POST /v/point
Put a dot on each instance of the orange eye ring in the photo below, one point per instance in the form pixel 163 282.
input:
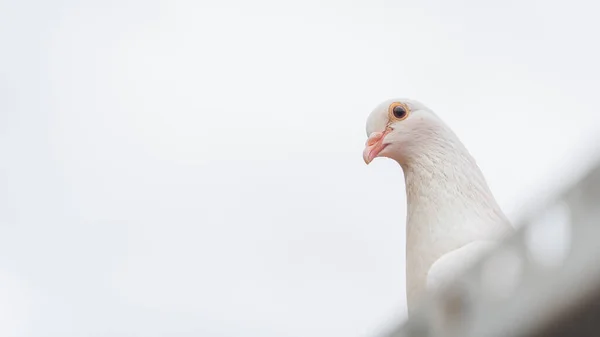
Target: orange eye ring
pixel 398 111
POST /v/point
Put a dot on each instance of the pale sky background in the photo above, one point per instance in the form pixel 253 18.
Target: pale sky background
pixel 194 168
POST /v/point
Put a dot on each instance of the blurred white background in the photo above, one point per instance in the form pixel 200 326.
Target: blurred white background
pixel 194 168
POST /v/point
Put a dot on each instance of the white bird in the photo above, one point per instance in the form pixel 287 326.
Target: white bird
pixel 452 216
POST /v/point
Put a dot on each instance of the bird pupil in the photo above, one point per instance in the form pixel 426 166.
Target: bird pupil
pixel 399 112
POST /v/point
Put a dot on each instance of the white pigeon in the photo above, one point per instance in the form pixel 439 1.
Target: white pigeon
pixel 452 216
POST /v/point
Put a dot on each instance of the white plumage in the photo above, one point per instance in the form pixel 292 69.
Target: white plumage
pixel 452 217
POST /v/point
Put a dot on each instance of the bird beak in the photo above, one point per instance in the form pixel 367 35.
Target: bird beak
pixel 374 145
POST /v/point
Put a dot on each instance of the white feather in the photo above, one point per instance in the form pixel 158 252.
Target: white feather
pixel 454 263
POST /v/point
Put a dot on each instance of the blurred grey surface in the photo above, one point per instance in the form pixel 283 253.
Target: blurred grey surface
pixel 554 292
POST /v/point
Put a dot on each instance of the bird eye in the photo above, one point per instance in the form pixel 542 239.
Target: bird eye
pixel 398 111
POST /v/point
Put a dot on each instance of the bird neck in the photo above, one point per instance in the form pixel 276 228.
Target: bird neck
pixel 449 203
pixel 445 189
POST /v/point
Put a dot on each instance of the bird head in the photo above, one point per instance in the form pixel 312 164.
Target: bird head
pixel 400 128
